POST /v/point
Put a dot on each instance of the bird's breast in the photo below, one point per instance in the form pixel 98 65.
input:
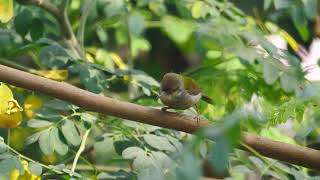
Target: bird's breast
pixel 180 100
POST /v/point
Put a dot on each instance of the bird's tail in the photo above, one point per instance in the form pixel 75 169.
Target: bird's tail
pixel 207 99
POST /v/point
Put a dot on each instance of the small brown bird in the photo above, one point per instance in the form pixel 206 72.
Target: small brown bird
pixel 180 92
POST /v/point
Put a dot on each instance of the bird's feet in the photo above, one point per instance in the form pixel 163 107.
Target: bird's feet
pixel 197 118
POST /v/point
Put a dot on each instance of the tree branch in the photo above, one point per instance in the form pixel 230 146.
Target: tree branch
pixel 294 154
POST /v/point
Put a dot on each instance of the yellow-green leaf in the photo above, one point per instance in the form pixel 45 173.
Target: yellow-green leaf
pixel 6 10
pixel 197 9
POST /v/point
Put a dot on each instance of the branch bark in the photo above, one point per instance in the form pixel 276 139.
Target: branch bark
pixel 294 154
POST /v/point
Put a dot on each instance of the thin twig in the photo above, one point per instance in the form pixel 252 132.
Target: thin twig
pixel 31 160
pixel 81 149
pixel 85 13
pixel 14 65
pixel 84 167
pixel 8 136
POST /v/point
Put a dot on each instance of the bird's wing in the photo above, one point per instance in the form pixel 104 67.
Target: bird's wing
pixel 190 85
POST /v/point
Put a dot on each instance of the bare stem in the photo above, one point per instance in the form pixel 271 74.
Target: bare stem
pixel 81 149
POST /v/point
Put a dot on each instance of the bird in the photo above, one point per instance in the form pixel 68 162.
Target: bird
pixel 180 92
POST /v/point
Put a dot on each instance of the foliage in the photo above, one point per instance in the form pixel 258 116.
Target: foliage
pixel 121 49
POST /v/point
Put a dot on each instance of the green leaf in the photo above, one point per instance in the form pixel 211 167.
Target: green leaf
pixel 300 21
pixel 270 73
pixel 35 168
pixel 132 152
pixel 10 163
pixel 58 104
pixel 177 29
pixel 46 140
pixel 158 7
pixel 36 29
pixel 144 78
pixel 280 4
pixel 254 109
pixel 163 160
pixel 142 3
pixel 203 149
pixel 213 54
pixel 36 123
pixel 6 10
pixel 187 169
pixel 258 162
pixel 107 64
pixel 310 9
pixel 70 132
pixel 88 119
pixel 113 7
pixel 288 82
pixel 54 56
pixel 59 146
pixel 158 142
pixel 241 168
pixel 219 156
pixel 102 35
pixel 275 134
pixel 92 79
pixel 176 143
pixel 22 22
pixel 121 145
pixel 7 165
pixel 139 45
pixel 310 92
pixel 307 125
pixel 121 174
pixel 136 24
pixel 105 175
pixel 33 138
pixel 46 113
pixel 145 81
pixel 267 4
pixel 285 111
pixel 299 174
pixel 200 9
pixel 3 146
pixel 146 168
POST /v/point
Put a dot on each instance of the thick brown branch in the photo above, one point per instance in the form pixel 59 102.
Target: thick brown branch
pixel 303 156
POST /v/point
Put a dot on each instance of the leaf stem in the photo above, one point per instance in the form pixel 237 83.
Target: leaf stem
pixel 8 136
pixel 81 149
pixel 31 160
pixel 85 13
pixel 14 64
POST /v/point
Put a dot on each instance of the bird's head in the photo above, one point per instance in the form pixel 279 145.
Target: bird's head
pixel 170 83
